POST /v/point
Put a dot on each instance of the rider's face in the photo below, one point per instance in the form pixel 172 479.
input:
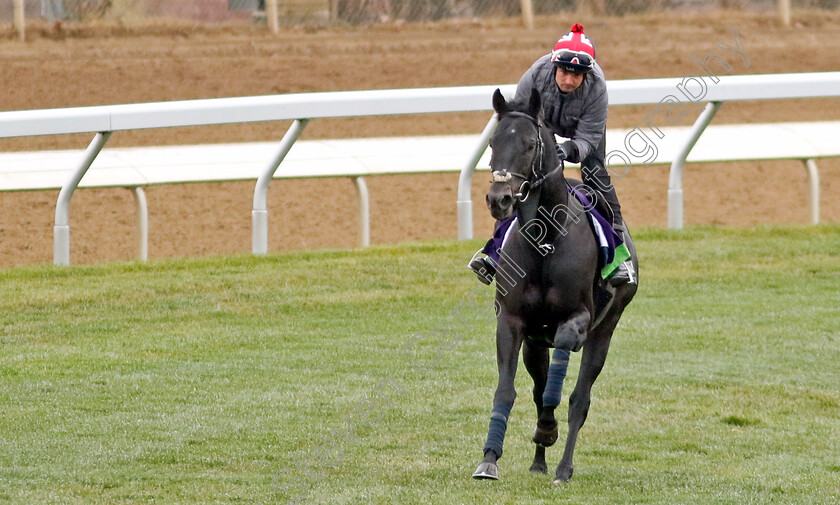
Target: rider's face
pixel 568 81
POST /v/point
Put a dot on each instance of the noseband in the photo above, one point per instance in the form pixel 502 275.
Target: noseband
pixel 535 179
pixel 505 176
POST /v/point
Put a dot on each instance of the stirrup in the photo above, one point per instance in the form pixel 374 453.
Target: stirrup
pixel 483 268
pixel 624 274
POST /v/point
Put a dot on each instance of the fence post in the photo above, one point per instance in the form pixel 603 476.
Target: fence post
pixel 142 223
pixel 20 23
pixel 464 203
pixel 813 190
pixel 61 231
pixel 528 13
pixel 364 211
pixel 784 11
pixel 333 7
pixel 272 13
pixel 259 214
pixel 675 176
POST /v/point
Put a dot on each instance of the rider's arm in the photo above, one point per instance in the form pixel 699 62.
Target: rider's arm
pixel 593 121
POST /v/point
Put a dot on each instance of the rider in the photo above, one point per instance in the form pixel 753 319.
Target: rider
pixel 574 100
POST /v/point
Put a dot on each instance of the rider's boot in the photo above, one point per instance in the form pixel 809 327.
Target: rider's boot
pixel 625 273
pixel 483 267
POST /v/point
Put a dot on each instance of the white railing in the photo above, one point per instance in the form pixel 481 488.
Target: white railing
pixel 105 120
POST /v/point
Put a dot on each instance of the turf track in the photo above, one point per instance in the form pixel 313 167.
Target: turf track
pixel 260 379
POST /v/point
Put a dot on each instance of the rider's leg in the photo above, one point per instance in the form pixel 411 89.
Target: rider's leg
pixel 485 266
pixel 626 272
pixel 596 176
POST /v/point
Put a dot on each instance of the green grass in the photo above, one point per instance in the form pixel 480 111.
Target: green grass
pixel 198 380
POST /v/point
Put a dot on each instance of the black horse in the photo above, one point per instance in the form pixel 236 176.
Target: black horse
pixel 548 284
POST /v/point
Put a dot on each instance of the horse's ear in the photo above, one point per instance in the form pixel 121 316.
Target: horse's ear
pixel 499 103
pixel 534 103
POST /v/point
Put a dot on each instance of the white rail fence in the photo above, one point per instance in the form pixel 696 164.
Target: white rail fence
pixel 666 95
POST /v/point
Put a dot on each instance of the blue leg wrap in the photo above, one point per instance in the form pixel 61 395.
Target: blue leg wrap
pixel 498 426
pixel 554 381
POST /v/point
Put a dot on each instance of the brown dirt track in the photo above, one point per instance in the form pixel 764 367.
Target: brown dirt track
pixel 110 64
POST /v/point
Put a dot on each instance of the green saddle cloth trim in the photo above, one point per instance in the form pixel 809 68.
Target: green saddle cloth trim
pixel 622 254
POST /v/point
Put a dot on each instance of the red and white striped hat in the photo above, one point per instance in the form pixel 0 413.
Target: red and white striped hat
pixel 574 51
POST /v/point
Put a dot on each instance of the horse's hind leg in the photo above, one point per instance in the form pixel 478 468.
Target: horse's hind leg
pixel 545 434
pixel 592 361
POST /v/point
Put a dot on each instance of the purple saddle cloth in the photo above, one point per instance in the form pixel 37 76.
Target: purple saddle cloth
pixel 607 242
pixel 612 240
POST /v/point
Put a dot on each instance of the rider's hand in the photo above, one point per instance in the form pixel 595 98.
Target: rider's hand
pixel 562 153
pixel 566 151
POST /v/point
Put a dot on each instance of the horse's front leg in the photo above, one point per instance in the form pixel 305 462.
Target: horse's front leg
pixel 572 333
pixel 508 342
pixel 546 433
pixel 592 362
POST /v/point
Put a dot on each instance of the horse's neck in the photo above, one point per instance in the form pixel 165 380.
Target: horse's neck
pixel 554 185
pixel 554 201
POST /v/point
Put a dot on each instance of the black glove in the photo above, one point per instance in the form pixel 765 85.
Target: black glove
pixel 566 151
pixel 561 152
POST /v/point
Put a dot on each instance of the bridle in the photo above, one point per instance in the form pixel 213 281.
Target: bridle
pixel 536 178
pixel 532 182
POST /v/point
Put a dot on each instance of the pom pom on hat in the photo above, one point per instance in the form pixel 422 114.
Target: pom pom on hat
pixel 574 51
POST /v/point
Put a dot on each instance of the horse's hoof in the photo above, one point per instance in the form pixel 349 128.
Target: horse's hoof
pixel 538 468
pixel 563 475
pixel 545 437
pixel 486 471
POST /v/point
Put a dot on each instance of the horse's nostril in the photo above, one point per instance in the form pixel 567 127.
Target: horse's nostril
pixel 506 201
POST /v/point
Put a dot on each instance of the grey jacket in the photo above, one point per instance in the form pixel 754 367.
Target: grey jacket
pixel 580 115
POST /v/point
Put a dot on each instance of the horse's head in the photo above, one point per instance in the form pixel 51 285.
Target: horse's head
pixel 520 147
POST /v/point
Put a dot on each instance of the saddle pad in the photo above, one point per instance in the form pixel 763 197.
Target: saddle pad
pixel 612 250
pixel 500 236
